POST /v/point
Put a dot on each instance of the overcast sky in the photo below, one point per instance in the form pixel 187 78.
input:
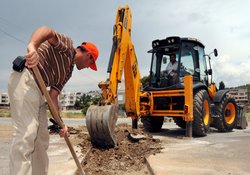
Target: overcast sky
pixel 218 24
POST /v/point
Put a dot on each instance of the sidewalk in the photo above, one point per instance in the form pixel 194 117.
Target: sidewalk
pixel 61 160
pixel 5 142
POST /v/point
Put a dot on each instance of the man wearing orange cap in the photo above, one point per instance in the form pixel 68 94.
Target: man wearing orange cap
pixel 53 53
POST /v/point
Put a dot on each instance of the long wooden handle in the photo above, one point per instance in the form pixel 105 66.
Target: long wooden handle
pixel 56 115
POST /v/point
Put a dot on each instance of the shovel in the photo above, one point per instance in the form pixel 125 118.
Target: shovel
pixel 55 115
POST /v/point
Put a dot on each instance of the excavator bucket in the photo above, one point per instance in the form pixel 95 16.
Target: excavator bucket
pixel 101 121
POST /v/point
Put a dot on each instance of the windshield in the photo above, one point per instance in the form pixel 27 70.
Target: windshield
pixel 186 64
pixel 187 60
pixel 164 66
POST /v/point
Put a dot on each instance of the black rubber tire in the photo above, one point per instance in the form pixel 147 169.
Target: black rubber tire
pixel 202 116
pixel 180 122
pixel 152 124
pixel 220 122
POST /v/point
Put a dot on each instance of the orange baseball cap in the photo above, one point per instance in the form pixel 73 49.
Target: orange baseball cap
pixel 92 49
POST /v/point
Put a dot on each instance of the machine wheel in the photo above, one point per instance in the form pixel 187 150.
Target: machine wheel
pixel 201 123
pixel 227 114
pixel 180 122
pixel 152 124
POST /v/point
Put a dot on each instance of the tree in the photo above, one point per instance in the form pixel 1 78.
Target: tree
pixel 77 105
pixel 145 80
pixel 85 101
pixel 96 99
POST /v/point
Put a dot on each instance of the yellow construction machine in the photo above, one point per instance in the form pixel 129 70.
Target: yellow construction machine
pixel 192 100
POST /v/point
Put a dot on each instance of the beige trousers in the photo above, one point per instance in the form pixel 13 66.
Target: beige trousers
pixel 28 155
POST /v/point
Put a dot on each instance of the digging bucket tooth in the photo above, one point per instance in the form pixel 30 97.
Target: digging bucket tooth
pixel 100 121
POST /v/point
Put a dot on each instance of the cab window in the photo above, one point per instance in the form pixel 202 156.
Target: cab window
pixel 187 60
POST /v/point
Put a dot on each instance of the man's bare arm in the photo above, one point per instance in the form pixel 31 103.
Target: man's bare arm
pixel 54 97
pixel 39 36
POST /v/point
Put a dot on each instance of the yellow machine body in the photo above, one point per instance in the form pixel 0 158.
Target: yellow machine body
pixel 153 105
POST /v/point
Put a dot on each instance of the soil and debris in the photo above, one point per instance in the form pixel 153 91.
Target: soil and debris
pixel 127 158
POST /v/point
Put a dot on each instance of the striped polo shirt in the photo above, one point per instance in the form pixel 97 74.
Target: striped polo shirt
pixel 56 63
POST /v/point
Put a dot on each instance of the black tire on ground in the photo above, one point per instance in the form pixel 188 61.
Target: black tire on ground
pixel 227 112
pixel 152 124
pixel 202 113
pixel 180 122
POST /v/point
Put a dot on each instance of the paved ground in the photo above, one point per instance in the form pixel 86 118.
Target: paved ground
pixel 218 153
pixel 61 161
pixel 5 140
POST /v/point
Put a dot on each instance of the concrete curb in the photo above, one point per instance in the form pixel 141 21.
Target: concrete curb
pixel 150 169
pixel 82 159
pixel 61 160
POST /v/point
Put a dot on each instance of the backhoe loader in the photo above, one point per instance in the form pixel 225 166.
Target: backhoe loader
pixel 192 100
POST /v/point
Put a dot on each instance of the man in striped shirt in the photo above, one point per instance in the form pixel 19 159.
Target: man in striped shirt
pixel 55 57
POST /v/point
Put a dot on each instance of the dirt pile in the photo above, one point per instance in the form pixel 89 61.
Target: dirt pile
pixel 127 158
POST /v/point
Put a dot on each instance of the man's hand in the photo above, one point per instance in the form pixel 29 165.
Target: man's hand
pixel 32 57
pixel 63 131
pixel 55 128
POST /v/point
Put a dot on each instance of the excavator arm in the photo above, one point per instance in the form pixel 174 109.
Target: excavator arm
pixel 123 58
pixel 101 119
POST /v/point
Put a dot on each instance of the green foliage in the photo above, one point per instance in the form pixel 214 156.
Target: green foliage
pixel 122 107
pixel 96 99
pixel 85 101
pixel 145 80
pixel 84 109
pixel 248 88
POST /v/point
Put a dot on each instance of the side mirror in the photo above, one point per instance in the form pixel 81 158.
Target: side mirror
pixel 164 60
pixel 209 72
pixel 215 52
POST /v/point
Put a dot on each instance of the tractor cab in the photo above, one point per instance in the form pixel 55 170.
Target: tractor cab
pixel 175 57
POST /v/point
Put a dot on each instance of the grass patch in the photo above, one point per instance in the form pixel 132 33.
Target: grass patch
pixel 248 116
pixel 4 113
pixel 69 114
pixel 63 114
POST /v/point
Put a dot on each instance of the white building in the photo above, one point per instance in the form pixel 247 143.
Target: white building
pixel 4 99
pixel 240 95
pixel 67 99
